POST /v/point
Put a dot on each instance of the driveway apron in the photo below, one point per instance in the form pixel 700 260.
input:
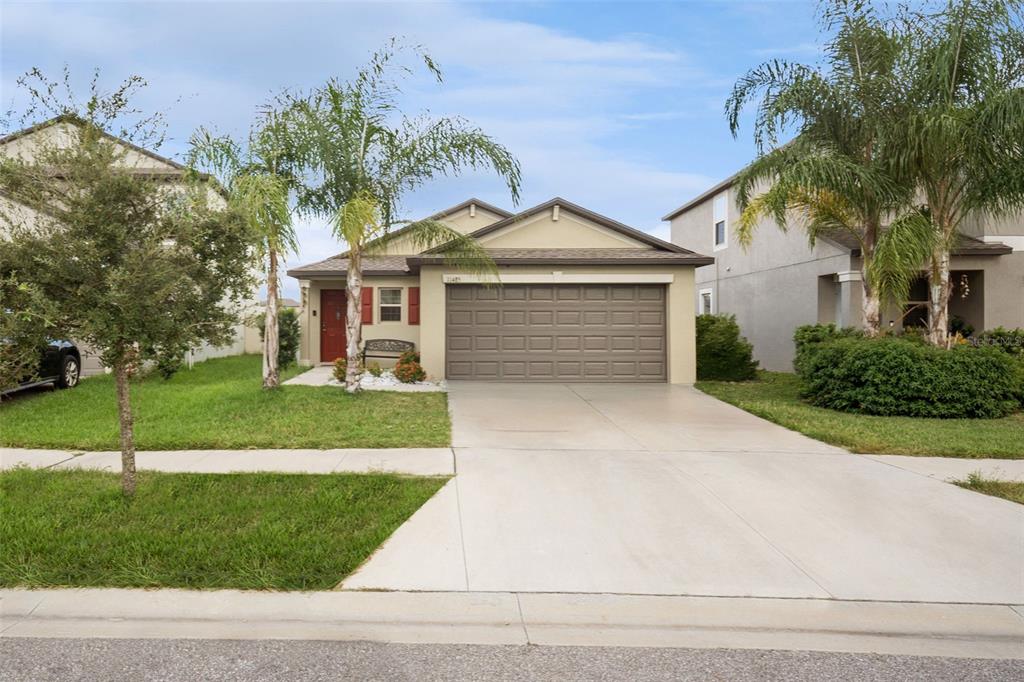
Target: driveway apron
pixel 661 489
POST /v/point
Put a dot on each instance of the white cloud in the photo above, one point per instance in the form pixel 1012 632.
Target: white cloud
pixel 566 105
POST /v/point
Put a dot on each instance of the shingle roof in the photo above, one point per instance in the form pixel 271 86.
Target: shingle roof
pixel 577 257
pixel 967 246
pixel 337 266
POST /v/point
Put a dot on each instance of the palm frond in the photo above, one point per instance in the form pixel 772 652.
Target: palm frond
pixel 460 250
pixel 901 252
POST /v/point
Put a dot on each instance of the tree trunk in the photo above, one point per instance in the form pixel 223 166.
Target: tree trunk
pixel 271 374
pixel 938 298
pixel 353 320
pixel 870 303
pixel 870 309
pixel 124 413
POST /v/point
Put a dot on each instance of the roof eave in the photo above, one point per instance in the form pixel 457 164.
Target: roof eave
pixel 415 262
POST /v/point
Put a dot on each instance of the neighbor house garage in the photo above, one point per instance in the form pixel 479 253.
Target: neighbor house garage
pixel 579 297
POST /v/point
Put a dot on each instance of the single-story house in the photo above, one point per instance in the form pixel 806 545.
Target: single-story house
pixel 781 282
pixel 580 297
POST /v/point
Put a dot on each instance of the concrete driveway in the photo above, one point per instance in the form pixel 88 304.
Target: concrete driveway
pixel 659 489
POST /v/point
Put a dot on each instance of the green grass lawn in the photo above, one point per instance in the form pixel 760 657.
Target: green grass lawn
pixel 776 397
pixel 1008 490
pixel 220 404
pixel 246 531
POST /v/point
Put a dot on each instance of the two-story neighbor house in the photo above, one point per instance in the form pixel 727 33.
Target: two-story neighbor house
pixel 780 282
pixel 60 130
pixel 581 298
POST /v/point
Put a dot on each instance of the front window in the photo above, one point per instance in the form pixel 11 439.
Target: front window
pixel 390 305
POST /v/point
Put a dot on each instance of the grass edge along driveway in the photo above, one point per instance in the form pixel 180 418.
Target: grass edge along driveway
pixel 775 396
pixel 198 531
pixel 220 404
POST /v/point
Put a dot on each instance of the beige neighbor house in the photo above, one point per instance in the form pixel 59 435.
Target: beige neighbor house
pixel 780 282
pixel 580 297
pixel 60 130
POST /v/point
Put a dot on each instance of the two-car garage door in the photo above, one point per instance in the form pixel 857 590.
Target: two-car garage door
pixel 558 332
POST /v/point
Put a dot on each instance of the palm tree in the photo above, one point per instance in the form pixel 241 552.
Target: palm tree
pixel 363 156
pixel 258 185
pixel 962 139
pixel 832 175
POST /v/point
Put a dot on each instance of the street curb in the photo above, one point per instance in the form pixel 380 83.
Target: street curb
pixel 505 618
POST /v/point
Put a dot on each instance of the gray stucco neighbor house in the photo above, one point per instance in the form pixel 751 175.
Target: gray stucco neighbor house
pixel 780 282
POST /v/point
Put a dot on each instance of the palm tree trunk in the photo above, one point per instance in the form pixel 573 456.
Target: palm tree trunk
pixel 124 414
pixel 938 298
pixel 271 374
pixel 353 319
pixel 870 303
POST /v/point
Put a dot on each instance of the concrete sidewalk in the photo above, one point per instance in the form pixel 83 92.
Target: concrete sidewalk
pixel 963 630
pixel 409 461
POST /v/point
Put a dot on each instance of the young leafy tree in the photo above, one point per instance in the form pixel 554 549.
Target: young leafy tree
pixel 126 259
pixel 258 184
pixel 962 137
pixel 833 175
pixel 25 327
pixel 363 156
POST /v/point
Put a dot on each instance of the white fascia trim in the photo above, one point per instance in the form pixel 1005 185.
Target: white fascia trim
pixel 559 278
pixel 848 276
pixel 1015 242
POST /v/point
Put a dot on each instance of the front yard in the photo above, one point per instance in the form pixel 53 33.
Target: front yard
pixel 216 531
pixel 775 397
pixel 219 405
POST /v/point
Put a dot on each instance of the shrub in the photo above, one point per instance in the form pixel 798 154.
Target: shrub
pixel 409 371
pixel 1007 340
pixel 375 370
pixel 409 356
pixel 722 354
pixel 891 376
pixel 288 335
pixel 340 369
pixel 809 337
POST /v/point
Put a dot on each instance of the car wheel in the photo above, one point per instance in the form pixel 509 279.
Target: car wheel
pixel 70 372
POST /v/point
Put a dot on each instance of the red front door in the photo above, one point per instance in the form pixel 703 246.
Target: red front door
pixel 332 324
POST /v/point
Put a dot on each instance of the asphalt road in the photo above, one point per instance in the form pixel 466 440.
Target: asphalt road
pixel 42 660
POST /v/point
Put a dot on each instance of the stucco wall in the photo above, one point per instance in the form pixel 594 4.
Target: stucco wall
pixel 772 286
pixel 309 318
pixel 569 231
pixel 464 220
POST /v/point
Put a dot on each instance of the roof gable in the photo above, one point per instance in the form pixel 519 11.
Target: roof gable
pixel 558 223
pixel 58 130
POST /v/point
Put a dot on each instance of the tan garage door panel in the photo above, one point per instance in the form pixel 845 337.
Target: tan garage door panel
pixel 560 332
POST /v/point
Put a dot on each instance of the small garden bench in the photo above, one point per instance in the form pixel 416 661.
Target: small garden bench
pixel 389 349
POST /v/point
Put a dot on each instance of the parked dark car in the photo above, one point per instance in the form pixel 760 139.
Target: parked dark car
pixel 61 365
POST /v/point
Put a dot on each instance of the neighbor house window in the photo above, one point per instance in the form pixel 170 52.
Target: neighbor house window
pixel 720 220
pixel 706 303
pixel 390 305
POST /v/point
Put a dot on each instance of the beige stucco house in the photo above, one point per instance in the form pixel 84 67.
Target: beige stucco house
pixel 781 282
pixel 60 131
pixel 579 297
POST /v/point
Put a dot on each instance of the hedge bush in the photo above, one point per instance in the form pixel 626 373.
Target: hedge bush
pixel 722 354
pixel 809 337
pixel 892 376
pixel 1007 340
pixel 288 336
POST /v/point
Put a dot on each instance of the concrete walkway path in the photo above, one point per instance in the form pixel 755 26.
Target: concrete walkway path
pixel 410 461
pixel 977 631
pixel 664 490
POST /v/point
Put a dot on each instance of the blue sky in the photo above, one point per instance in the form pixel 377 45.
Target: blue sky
pixel 615 106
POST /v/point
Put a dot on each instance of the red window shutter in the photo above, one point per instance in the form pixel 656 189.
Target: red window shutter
pixel 414 305
pixel 367 305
